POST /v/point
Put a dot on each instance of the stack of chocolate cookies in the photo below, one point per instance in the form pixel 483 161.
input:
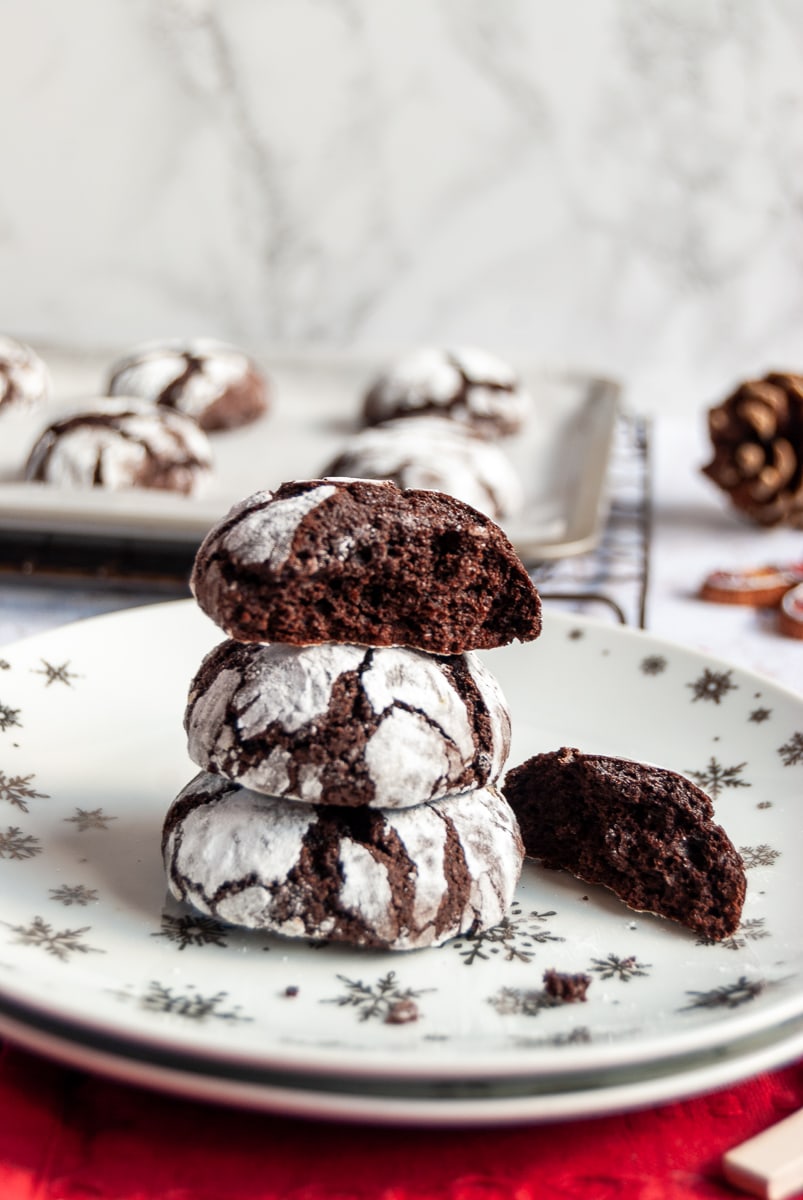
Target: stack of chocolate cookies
pixel 348 737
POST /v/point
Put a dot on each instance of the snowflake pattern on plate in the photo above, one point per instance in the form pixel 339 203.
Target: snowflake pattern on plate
pixel 514 937
pixel 55 674
pixel 17 790
pixel 60 943
pixel 18 845
pixel 9 717
pixel 712 685
pixel 716 777
pixel 76 893
pixel 384 1000
pixel 192 929
pixel 792 751
pixel 86 819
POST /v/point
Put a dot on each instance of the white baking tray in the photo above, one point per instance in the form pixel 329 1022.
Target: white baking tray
pixel 561 455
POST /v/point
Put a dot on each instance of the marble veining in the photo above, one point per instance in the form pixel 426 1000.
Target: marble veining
pixel 608 183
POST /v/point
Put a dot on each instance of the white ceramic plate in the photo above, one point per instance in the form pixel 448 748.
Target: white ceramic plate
pixel 92 752
pixel 561 456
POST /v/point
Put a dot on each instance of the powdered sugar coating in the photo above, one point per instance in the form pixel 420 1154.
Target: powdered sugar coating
pixel 349 725
pixel 466 384
pixel 24 378
pixel 433 452
pixel 122 443
pixel 195 377
pixel 257 861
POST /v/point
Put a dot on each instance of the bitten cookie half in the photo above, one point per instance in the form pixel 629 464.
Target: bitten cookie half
pixel 334 560
pixel 348 725
pixel 395 881
pixel 122 444
pixel 646 833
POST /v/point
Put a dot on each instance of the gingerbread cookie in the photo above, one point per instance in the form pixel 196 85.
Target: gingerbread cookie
pixel 122 444
pixel 466 385
pixel 347 725
pixel 790 613
pixel 391 880
pixel 218 385
pixel 756 587
pixel 431 452
pixel 338 560
pixel 646 833
pixel 24 378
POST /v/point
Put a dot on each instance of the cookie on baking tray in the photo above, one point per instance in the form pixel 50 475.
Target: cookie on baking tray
pixel 431 452
pixel 467 385
pixel 219 385
pixel 122 443
pixel 391 880
pixel 646 833
pixel 347 725
pixel 24 378
pixel 334 560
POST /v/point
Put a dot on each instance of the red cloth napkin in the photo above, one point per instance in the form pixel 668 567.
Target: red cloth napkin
pixel 67 1135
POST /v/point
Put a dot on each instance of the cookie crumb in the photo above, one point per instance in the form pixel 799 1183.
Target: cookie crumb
pixel 566 988
pixel 291 990
pixel 402 1012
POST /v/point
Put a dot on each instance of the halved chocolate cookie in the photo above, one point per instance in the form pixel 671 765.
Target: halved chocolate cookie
pixel 393 880
pixel 646 833
pixel 337 560
pixel 348 725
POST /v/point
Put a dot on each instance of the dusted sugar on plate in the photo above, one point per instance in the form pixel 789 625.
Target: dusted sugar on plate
pixel 122 443
pixel 390 880
pixel 434 453
pixel 348 725
pixel 359 561
pixel 646 833
pixel 24 377
pixel 220 386
pixel 466 384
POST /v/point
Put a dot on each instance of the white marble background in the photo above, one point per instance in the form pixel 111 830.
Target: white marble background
pixel 616 184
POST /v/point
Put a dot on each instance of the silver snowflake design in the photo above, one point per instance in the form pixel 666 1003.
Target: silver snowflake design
pixel 614 967
pixel 758 856
pixel 653 664
pixel 514 937
pixel 61 943
pixel 189 1004
pixel 9 717
pixel 712 685
pixel 760 714
pixel 523 1002
pixel 715 778
pixel 91 818
pixel 729 995
pixel 69 894
pixel 380 1000
pixel 16 844
pixel 752 930
pixel 16 790
pixel 792 751
pixel 54 674
pixel 192 930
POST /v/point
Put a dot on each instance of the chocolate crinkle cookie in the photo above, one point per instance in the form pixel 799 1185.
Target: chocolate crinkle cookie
pixel 467 385
pixel 219 385
pixel 757 439
pixel 24 378
pixel 391 880
pixel 646 833
pixel 347 725
pixel 122 443
pixel 431 452
pixel 333 560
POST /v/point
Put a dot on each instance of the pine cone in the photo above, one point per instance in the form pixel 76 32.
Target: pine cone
pixel 757 435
